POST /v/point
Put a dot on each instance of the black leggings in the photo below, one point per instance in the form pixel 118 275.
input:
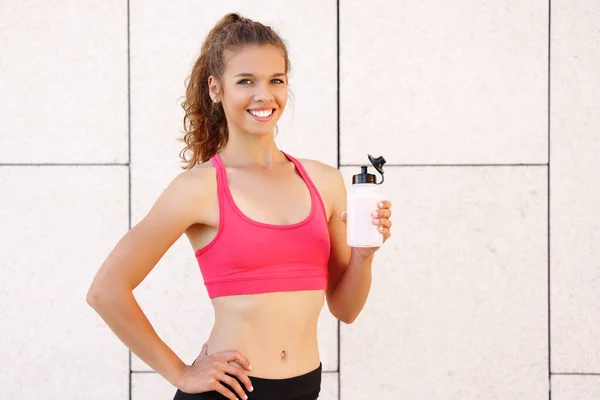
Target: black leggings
pixel 301 387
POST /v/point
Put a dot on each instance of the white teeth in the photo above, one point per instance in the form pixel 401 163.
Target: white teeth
pixel 262 114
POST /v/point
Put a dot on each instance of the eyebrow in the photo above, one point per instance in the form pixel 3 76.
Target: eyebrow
pixel 248 74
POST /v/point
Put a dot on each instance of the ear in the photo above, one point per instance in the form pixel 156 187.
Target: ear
pixel 214 87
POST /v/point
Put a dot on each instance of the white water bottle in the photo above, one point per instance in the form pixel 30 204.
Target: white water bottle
pixel 362 201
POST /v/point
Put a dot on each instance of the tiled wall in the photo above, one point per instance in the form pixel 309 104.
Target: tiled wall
pixel 487 112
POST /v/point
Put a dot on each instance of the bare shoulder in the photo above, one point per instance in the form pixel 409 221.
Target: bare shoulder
pixel 202 173
pixel 320 170
pixel 328 180
pixel 193 189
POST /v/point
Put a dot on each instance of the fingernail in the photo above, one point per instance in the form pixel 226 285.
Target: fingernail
pixel 380 228
pixel 376 221
pixel 249 366
pixel 251 388
pixel 375 213
pixel 380 204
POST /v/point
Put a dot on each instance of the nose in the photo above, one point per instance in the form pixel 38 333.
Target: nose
pixel 263 93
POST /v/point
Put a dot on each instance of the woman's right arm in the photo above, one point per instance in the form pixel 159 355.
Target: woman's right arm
pixel 134 256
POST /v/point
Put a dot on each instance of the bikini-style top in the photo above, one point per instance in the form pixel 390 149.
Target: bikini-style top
pixel 249 257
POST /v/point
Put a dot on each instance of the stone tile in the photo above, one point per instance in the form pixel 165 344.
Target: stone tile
pixel 575 188
pixel 444 82
pixel 59 224
pixel 63 82
pixel 151 386
pixel 166 40
pixel 459 292
pixel 573 387
pixel 329 386
pixel 328 340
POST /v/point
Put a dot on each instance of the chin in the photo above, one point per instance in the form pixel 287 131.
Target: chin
pixel 261 132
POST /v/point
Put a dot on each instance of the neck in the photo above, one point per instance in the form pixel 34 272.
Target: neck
pixel 247 150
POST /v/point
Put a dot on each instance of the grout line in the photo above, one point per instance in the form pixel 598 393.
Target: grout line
pixel 454 165
pixel 338 80
pixel 339 353
pixel 548 209
pixel 575 374
pixel 338 164
pixel 129 157
pixel 64 164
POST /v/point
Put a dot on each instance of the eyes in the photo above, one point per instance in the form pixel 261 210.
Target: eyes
pixel 276 81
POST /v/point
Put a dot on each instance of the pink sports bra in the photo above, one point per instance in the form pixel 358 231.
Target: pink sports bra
pixel 249 257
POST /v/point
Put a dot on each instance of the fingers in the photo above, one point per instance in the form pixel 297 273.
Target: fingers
pixel 383 225
pixel 233 384
pixel 382 213
pixel 381 218
pixel 384 204
pixel 241 375
pixel 226 392
pixel 222 359
pixel 228 356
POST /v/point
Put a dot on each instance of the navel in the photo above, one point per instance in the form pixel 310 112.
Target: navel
pixel 283 354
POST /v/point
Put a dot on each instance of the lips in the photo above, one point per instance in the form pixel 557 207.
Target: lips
pixel 261 108
pixel 262 114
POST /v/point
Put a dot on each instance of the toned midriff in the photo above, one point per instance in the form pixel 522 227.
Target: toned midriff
pixel 276 331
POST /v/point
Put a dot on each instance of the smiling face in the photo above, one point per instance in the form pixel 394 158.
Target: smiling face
pixel 253 89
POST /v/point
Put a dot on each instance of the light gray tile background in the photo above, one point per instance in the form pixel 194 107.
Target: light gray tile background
pixel 487 112
pixel 576 387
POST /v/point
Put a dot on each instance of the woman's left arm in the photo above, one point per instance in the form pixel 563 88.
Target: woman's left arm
pixel 350 268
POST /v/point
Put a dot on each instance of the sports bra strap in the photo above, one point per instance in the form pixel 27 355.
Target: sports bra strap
pixel 309 182
pixel 221 173
pixel 303 173
pixel 222 189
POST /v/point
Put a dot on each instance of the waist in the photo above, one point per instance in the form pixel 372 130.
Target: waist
pixel 276 331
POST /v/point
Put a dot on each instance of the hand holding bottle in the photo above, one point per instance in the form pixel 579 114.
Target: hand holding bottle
pixel 380 218
pixel 367 216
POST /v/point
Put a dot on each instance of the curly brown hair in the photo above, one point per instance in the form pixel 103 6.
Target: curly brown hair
pixel 204 122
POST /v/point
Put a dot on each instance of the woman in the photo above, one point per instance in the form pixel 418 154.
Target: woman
pixel 268 231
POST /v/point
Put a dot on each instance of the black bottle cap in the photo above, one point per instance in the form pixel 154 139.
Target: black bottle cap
pixel 363 177
pixel 377 163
